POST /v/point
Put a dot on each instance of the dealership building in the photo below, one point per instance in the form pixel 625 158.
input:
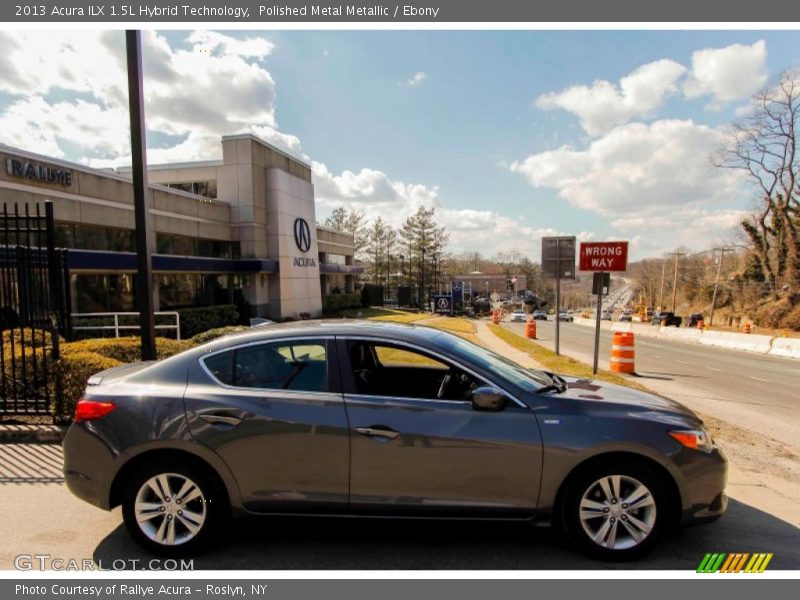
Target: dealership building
pixel 242 228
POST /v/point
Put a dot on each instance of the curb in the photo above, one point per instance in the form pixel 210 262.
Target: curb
pixel 32 434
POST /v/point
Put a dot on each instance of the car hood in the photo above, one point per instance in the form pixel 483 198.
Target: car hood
pixel 599 392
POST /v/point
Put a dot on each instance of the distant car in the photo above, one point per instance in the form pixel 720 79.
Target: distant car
pixel 540 315
pixel 518 315
pixel 626 317
pixel 565 316
pixel 666 319
pixel 694 319
pixel 606 315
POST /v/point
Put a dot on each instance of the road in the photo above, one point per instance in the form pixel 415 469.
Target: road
pixel 47 519
pixel 760 393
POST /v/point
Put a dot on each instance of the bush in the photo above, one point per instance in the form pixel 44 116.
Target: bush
pixel 75 367
pixel 127 349
pixel 213 334
pixel 333 303
pixel 198 320
pixel 32 337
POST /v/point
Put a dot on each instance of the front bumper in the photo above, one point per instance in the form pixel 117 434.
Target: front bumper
pixel 703 494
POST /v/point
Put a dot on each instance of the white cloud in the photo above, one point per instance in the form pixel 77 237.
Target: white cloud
pixel 417 79
pixel 727 74
pixel 604 105
pixel 217 85
pixel 655 179
pixel 377 195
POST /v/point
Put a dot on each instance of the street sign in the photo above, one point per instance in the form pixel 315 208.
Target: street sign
pixel 558 262
pixel 457 288
pixel 558 254
pixel 604 256
pixel 443 305
pixel 600 283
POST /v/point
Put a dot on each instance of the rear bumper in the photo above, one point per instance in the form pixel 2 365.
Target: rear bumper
pixel 89 466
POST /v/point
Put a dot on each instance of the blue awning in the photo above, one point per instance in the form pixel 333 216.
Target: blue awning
pixel 98 260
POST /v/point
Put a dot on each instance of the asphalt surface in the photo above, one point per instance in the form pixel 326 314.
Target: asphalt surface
pixel 49 520
pixel 752 390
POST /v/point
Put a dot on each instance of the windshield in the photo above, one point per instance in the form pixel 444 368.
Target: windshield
pixel 529 380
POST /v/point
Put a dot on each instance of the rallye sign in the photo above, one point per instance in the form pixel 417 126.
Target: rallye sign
pixel 604 256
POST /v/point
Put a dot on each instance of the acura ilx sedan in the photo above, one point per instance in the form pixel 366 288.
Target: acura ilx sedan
pixel 381 419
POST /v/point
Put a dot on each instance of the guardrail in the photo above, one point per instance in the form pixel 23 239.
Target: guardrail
pixel 747 342
pixel 117 327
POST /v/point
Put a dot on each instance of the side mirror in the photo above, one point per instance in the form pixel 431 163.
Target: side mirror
pixel 488 399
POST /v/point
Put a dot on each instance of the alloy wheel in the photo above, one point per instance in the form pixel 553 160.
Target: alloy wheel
pixel 170 509
pixel 617 512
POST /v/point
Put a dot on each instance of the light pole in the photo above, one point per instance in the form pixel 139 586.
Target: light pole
pixel 675 279
pixel 716 283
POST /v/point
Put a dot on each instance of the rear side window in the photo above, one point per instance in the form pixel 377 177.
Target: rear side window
pixel 300 365
pixel 221 366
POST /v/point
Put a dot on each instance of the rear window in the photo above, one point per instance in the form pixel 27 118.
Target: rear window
pixel 299 365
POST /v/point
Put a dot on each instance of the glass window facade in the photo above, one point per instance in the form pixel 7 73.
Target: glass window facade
pixel 94 237
pixel 184 245
pixel 200 188
pixel 103 292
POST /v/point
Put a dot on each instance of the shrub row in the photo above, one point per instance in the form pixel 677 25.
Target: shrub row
pixel 198 320
pixel 332 303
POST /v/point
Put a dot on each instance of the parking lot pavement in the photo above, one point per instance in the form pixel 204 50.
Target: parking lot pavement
pixel 46 519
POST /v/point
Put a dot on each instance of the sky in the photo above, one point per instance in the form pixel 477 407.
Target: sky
pixel 510 135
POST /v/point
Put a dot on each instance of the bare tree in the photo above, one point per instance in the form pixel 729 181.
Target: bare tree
pixel 764 144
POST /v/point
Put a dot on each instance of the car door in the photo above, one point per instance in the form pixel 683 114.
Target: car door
pixel 413 452
pixel 274 412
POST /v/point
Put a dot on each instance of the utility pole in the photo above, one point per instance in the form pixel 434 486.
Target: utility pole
pixel 661 295
pixel 143 233
pixel 677 256
pixel 716 283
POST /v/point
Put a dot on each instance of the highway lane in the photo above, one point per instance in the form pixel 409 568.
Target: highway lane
pixel 752 390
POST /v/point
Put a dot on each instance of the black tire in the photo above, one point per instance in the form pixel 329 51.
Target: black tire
pixel 585 481
pixel 212 505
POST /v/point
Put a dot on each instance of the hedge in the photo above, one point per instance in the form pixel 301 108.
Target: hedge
pixel 198 320
pixel 126 349
pixel 213 334
pixel 75 367
pixel 336 302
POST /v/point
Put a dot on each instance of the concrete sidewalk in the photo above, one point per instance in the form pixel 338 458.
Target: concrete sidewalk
pixel 494 343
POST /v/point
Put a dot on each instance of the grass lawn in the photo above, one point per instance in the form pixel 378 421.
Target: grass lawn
pixel 383 314
pixel 559 364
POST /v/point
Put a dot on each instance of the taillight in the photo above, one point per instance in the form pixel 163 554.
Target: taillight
pixel 88 410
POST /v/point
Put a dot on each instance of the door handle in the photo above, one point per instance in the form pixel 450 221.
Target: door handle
pixel 220 419
pixel 378 432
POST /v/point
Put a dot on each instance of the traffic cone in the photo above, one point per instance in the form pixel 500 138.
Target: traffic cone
pixel 622 352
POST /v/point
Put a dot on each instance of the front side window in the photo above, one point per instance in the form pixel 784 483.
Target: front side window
pixel 300 365
pixel 384 369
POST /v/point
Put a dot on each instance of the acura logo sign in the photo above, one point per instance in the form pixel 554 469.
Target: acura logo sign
pixel 302 234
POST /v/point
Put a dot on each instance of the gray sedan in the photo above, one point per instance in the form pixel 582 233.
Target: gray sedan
pixel 380 419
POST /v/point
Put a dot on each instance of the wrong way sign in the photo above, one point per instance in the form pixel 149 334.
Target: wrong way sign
pixel 604 256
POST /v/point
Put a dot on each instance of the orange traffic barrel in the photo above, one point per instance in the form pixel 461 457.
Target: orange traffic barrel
pixel 530 329
pixel 746 327
pixel 496 317
pixel 622 352
pixel 700 324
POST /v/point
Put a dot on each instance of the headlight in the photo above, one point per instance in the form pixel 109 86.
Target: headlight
pixel 696 439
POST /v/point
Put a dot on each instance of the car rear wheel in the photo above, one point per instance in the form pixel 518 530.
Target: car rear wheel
pixel 172 510
pixel 615 512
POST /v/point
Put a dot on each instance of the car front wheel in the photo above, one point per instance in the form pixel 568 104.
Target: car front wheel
pixel 615 513
pixel 172 510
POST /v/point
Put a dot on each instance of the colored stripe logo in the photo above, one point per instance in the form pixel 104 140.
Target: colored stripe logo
pixel 736 562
